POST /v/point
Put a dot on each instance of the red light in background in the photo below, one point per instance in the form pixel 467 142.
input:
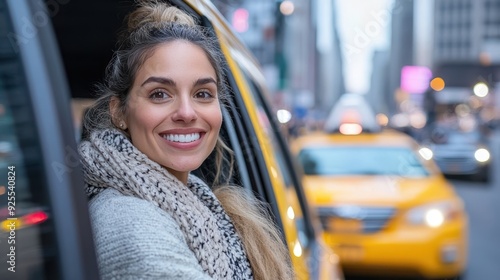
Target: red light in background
pixel 35 218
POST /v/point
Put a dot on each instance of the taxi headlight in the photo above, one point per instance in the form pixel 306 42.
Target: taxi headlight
pixel 482 155
pixel 434 214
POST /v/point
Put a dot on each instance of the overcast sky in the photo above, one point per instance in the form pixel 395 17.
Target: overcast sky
pixel 363 25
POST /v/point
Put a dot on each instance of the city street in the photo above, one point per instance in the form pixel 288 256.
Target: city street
pixel 481 202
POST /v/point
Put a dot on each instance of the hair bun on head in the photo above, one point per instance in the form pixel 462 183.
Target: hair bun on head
pixel 156 13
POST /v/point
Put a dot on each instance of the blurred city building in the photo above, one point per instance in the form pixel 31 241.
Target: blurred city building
pixel 467 42
pixel 379 92
pixel 456 41
pixel 401 49
pixel 329 77
pixel 466 54
pixel 297 44
pixel 467 31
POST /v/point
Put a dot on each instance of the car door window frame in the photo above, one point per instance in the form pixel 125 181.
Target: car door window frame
pixel 49 92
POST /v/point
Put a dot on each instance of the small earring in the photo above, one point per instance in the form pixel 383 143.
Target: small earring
pixel 121 125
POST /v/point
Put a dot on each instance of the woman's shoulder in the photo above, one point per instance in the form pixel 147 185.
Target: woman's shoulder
pixel 135 239
pixel 112 208
pixel 109 198
pixel 117 217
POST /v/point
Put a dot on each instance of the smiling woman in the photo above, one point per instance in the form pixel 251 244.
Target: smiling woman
pixel 172 113
pixel 158 119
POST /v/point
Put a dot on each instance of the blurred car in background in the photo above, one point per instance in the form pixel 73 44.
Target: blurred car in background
pixel 47 232
pixel 384 205
pixel 459 152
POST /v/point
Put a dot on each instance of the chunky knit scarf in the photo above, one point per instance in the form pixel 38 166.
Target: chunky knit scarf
pixel 111 161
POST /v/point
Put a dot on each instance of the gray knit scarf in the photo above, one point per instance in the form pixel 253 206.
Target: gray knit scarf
pixel 111 161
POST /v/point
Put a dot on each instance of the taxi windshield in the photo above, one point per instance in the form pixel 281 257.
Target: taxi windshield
pixel 356 160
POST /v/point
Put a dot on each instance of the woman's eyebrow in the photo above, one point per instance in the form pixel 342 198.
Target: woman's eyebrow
pixel 160 80
pixel 204 81
pixel 167 81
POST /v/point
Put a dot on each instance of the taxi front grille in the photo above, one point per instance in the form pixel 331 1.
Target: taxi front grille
pixel 455 159
pixel 369 219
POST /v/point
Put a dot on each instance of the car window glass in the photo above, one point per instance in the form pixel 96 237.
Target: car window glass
pixel 463 137
pixel 356 160
pixel 26 244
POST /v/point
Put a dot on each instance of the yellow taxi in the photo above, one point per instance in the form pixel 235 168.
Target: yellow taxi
pixel 385 207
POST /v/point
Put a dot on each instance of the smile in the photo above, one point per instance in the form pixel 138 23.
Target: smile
pixel 182 138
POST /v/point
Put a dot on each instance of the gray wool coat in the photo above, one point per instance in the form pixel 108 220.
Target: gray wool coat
pixel 135 239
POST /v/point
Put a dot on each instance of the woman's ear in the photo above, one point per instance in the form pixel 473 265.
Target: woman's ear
pixel 116 114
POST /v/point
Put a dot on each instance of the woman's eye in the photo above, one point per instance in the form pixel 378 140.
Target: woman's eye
pixel 204 95
pixel 158 95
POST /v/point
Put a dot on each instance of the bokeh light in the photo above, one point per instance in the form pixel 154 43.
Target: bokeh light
pixel 462 110
pixel 350 128
pixel 290 213
pixel 287 8
pixel 426 153
pixel 382 119
pixel 437 84
pixel 240 20
pixel 434 218
pixel 400 120
pixel 418 119
pixel 482 155
pixel 297 249
pixel 481 89
pixel 284 116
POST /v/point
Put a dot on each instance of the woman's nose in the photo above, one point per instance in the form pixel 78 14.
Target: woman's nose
pixel 185 111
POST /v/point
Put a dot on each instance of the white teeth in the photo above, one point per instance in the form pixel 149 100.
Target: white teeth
pixel 182 138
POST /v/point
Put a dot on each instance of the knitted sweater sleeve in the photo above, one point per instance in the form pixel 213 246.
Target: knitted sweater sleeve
pixel 135 239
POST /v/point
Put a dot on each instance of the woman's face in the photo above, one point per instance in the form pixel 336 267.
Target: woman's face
pixel 173 114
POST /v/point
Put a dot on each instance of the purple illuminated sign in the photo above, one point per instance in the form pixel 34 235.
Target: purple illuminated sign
pixel 415 79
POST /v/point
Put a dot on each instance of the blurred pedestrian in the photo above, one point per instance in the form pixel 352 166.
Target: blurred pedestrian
pixel 158 119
